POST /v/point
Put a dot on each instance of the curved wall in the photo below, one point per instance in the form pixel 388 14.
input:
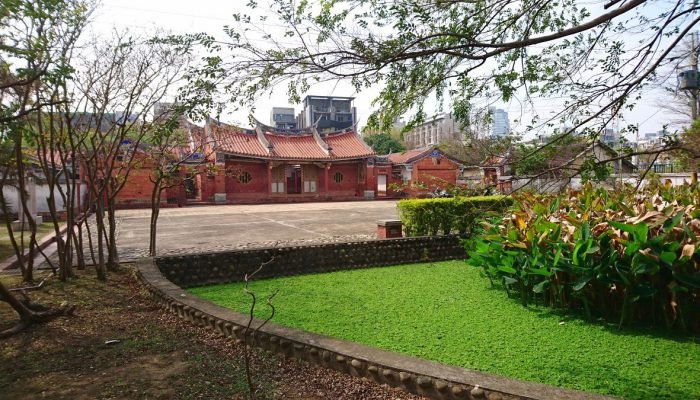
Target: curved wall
pixel 164 277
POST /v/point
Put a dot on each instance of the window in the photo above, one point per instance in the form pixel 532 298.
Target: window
pixel 277 187
pixel 278 179
pixel 310 177
pixel 338 177
pixel 244 177
pixel 310 186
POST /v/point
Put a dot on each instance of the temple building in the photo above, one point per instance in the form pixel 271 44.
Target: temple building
pixel 263 164
pixel 227 164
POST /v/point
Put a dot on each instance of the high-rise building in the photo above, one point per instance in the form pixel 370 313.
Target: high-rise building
pixel 609 137
pixel 500 126
pixel 283 118
pixel 328 112
pixel 441 128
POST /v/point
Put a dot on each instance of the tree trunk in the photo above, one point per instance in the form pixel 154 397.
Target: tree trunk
pixel 155 210
pixel 112 254
pixel 22 310
pixel 28 272
pixel 29 312
pixel 19 253
pixel 100 267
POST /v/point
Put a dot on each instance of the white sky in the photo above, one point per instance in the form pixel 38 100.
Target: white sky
pixel 210 16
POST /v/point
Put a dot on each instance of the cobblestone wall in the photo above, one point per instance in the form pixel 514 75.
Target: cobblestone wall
pixel 232 266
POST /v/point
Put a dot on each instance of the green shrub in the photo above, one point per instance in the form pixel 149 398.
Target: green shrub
pixel 457 214
pixel 625 256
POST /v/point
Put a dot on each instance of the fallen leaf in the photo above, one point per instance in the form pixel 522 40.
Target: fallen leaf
pixel 688 250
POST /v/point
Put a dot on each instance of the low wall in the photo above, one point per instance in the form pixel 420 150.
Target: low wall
pixel 165 278
pixel 232 266
pixel 411 374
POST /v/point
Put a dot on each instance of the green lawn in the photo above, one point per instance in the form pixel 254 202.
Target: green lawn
pixel 6 249
pixel 448 313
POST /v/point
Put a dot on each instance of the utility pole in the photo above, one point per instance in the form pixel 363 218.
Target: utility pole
pixel 694 67
pixel 694 92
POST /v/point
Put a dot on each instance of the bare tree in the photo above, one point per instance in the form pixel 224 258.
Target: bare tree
pixel 118 85
pixel 35 38
pixel 174 153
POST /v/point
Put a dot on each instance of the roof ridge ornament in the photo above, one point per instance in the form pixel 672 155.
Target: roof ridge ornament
pixel 263 140
pixel 319 141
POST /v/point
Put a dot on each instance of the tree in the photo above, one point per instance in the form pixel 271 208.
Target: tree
pixel 384 143
pixel 34 39
pixel 172 149
pixel 118 87
pixel 593 59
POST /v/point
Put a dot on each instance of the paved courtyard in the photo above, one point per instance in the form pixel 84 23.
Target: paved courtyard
pixel 190 229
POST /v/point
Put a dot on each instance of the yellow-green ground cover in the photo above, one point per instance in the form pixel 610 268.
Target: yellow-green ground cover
pixel 6 249
pixel 447 312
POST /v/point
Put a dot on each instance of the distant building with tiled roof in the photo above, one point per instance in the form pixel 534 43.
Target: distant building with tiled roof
pixel 424 169
pixel 264 164
pixel 267 164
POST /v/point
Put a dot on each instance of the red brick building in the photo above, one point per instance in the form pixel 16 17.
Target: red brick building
pixel 264 165
pixel 413 171
pixel 261 164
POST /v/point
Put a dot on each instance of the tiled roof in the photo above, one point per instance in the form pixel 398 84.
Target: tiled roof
pixel 408 156
pixel 296 147
pixel 230 141
pixel 497 161
pixel 347 145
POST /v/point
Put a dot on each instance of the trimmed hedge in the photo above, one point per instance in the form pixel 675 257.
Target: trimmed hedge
pixel 422 217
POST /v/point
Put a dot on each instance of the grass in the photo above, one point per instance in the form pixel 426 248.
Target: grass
pixel 6 249
pixel 448 313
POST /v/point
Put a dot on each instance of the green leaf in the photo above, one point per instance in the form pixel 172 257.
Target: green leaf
pixel 592 250
pixel 668 257
pixel 507 269
pixel 688 279
pixel 581 282
pixel 671 223
pixel 509 281
pixel 540 287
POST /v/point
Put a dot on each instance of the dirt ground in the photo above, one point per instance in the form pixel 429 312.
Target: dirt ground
pixel 157 355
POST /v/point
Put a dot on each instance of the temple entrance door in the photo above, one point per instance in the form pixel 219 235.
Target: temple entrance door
pixel 294 179
pixel 190 187
pixel 381 185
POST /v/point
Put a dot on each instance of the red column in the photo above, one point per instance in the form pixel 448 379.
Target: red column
pixel 325 177
pixel 220 183
pixel 269 178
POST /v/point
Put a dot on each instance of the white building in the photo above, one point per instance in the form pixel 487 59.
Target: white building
pixel 441 128
pixel 500 126
pixel 327 112
pixel 283 118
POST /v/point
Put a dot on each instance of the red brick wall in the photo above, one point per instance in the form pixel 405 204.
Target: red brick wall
pixel 435 174
pixel 258 184
pixel 348 185
pixel 137 188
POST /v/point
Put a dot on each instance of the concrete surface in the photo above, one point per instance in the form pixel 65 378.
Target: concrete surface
pixel 212 227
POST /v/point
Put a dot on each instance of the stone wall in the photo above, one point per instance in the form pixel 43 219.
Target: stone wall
pixel 232 266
